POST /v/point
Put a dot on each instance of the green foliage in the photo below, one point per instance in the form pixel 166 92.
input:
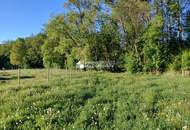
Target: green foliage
pixel 34 57
pixel 51 58
pixel 157 58
pixel 17 53
pixel 51 54
pixel 5 55
pixel 155 51
pixel 186 60
pixel 132 65
pixel 177 63
pixel 106 46
pixel 27 53
pixel 93 31
pixel 70 62
pixel 129 14
pixel 151 56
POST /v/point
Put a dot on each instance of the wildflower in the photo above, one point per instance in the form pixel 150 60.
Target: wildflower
pixel 184 128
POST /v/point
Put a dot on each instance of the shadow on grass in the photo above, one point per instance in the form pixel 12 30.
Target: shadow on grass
pixel 15 77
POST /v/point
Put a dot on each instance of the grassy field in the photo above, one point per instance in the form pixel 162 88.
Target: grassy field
pixel 93 100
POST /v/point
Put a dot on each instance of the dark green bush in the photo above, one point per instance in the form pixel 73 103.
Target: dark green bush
pixel 186 60
pixel 176 64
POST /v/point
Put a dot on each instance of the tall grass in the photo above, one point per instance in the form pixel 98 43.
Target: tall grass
pixel 93 100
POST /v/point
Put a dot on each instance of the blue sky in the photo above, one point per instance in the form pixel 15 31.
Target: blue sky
pixel 21 18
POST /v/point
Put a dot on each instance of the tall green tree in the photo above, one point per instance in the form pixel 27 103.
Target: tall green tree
pixel 54 30
pixel 133 17
pixel 34 57
pixel 153 44
pixel 5 55
pixel 17 53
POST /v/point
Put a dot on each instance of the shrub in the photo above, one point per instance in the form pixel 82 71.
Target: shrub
pixel 151 58
pixel 132 65
pixel 186 60
pixel 176 64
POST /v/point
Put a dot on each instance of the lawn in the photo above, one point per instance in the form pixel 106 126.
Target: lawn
pixel 93 100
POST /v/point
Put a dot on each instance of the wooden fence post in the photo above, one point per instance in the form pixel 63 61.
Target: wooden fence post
pixel 48 73
pixel 19 76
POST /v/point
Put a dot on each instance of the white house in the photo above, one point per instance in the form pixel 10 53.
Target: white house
pixel 80 65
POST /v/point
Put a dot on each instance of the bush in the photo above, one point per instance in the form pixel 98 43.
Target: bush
pixel 156 58
pixel 176 64
pixel 132 65
pixel 150 58
pixel 186 60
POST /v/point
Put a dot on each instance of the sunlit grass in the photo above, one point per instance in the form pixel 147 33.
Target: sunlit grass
pixel 93 100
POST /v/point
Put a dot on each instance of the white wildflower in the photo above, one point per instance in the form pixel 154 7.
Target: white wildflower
pixel 184 128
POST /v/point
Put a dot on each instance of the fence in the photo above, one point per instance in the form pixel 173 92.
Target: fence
pixel 40 76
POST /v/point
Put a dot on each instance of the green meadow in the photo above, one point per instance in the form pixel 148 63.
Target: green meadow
pixel 93 101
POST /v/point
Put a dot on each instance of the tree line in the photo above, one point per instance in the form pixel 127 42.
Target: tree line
pixel 136 35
